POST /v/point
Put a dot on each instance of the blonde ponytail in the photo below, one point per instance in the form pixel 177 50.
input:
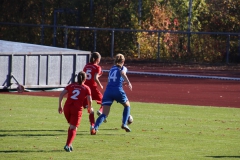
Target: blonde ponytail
pixel 119 59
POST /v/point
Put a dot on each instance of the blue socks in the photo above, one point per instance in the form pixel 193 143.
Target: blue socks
pixel 126 113
pixel 99 121
pixel 102 117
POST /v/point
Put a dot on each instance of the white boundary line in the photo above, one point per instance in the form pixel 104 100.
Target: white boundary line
pixel 181 75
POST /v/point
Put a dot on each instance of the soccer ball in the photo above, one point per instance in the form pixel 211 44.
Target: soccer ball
pixel 130 119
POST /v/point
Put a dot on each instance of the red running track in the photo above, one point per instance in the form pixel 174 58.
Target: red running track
pixel 172 90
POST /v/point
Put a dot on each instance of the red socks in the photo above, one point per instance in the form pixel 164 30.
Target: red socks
pixel 91 119
pixel 71 135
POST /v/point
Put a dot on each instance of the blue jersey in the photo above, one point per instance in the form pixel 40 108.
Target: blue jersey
pixel 114 89
pixel 114 77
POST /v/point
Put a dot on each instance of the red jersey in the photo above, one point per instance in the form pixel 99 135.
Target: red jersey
pixel 76 95
pixel 91 69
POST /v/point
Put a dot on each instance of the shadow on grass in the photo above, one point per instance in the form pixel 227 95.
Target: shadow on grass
pixel 28 151
pixel 34 133
pixel 223 156
pixel 113 129
pixel 5 133
pixel 32 130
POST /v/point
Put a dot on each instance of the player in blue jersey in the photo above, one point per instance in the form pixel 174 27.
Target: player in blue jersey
pixel 114 91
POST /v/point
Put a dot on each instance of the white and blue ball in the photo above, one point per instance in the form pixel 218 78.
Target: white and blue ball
pixel 130 119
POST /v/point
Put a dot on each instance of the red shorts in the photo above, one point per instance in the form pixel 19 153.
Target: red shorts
pixel 73 115
pixel 96 95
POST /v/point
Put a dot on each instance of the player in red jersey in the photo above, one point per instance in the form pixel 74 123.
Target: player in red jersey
pixel 93 72
pixel 77 93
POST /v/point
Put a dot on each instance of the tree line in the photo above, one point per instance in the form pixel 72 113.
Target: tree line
pixel 170 15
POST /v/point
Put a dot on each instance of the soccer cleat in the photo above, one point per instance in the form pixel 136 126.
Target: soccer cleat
pixel 99 113
pixel 93 131
pixel 127 129
pixel 105 120
pixel 71 148
pixel 91 127
pixel 67 149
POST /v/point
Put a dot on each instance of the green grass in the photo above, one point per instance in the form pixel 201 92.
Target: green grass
pixel 31 128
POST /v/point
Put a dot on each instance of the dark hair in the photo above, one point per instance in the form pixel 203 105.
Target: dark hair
pixel 119 58
pixel 81 77
pixel 94 57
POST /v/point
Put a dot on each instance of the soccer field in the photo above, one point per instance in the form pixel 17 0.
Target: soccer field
pixel 31 128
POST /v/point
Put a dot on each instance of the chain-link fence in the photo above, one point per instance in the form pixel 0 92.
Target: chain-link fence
pixel 159 45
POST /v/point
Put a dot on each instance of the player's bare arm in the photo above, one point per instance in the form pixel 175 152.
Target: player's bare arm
pixel 126 80
pixel 96 76
pixel 60 108
pixel 89 99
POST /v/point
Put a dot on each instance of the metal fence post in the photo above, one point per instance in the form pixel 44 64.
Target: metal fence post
pixel 42 35
pixel 158 52
pixel 139 11
pixel 139 46
pixel 77 39
pixel 54 28
pixel 9 76
pixel 228 48
pixel 74 68
pixel 77 34
pixel 95 41
pixel 66 37
pixel 112 44
pixel 239 47
pixel 189 25
pixel 91 11
pixel 42 27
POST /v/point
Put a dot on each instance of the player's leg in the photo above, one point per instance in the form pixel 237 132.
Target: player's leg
pixel 91 114
pixel 74 122
pixel 106 102
pixel 102 117
pixel 97 96
pixel 122 98
pixel 91 118
pixel 72 131
pixel 126 113
pixel 100 111
pixel 67 115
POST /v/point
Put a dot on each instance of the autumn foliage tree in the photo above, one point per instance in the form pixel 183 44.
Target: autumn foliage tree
pixel 157 20
pixel 160 19
pixel 222 16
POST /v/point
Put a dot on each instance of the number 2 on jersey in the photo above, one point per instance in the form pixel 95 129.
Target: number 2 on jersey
pixel 75 94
